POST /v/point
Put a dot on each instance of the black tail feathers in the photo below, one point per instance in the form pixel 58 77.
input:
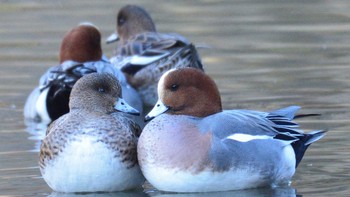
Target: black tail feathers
pixel 304 142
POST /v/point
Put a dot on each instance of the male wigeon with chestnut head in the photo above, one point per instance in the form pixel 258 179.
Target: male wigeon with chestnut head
pixel 193 145
pixel 93 147
pixel 144 55
pixel 80 54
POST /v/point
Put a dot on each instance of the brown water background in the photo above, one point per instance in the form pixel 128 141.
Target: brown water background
pixel 264 54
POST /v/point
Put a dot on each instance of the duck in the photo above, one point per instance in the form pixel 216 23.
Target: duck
pixel 92 148
pixel 80 54
pixel 144 54
pixel 192 145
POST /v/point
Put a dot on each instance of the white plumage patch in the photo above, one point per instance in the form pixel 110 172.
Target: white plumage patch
pixel 175 180
pixel 41 106
pixel 145 60
pixel 246 137
pixel 161 83
pixel 89 166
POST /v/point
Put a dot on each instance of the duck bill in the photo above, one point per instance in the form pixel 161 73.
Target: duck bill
pixel 112 38
pixel 122 106
pixel 158 109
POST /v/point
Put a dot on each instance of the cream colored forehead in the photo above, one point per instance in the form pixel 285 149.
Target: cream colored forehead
pixel 88 24
pixel 162 82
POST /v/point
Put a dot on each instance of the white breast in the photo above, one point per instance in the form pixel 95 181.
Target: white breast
pixel 206 181
pixel 89 166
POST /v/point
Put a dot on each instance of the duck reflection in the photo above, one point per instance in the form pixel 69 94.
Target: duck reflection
pixel 286 191
pixel 114 194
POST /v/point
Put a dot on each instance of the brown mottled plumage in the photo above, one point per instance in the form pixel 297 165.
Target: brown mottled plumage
pixel 144 55
pixel 99 138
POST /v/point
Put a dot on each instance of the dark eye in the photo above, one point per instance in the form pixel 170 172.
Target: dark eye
pixel 174 87
pixel 101 90
pixel 121 21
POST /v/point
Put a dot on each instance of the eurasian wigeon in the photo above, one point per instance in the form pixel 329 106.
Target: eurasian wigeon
pixel 144 55
pixel 93 147
pixel 80 54
pixel 192 145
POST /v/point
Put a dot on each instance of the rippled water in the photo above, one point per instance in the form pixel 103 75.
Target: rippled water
pixel 264 54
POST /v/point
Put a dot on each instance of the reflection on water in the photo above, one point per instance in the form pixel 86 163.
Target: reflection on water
pixel 116 194
pixel 37 133
pixel 262 192
pixel 263 55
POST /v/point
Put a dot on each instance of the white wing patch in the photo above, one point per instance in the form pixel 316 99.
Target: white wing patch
pixel 145 60
pixel 246 137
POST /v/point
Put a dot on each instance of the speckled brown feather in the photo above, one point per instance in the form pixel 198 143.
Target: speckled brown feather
pixel 116 136
pixel 138 37
pixel 114 129
pixel 141 43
